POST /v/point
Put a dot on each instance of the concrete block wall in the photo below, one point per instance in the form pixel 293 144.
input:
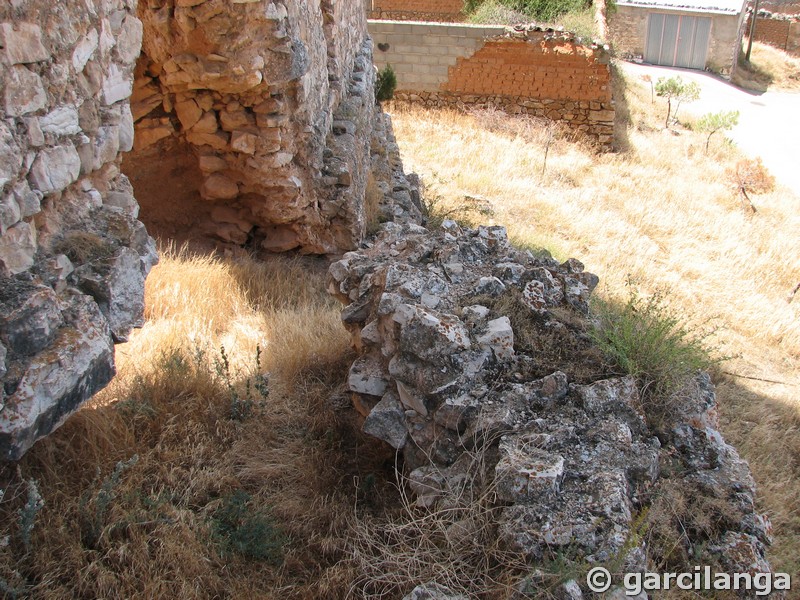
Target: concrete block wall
pixel 536 72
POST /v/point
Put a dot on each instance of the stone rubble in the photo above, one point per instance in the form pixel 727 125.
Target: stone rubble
pixel 443 375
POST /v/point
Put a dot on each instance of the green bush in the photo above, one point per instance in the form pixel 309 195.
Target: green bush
pixel 248 530
pixel 386 84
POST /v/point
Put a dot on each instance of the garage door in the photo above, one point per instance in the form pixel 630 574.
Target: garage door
pixel 677 40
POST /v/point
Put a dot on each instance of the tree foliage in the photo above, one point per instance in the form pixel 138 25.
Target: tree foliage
pixel 711 123
pixel 676 90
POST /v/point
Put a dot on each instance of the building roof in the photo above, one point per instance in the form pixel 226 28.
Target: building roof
pixel 714 6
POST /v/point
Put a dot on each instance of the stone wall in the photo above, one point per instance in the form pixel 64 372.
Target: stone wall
pixel 446 11
pixel 628 30
pixel 270 106
pixel 541 72
pixel 73 256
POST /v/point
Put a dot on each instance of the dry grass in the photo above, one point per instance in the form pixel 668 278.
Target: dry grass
pixel 149 530
pixel 663 215
pixel 769 69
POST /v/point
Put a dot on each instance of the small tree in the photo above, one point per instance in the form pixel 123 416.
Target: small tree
pixel 385 84
pixel 750 176
pixel 711 123
pixel 675 89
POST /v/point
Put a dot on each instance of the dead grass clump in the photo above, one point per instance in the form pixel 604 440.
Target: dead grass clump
pixel 82 247
pixel 769 69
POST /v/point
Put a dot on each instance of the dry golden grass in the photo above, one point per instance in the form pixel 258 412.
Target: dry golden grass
pixel 152 534
pixel 769 69
pixel 664 214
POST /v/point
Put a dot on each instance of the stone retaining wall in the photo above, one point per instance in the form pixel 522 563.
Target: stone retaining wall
pixel 546 73
pixel 447 11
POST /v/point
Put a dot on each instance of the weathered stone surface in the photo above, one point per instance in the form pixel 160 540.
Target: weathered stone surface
pixel 24 92
pixel 67 216
pixel 433 591
pixel 387 422
pixel 55 168
pixel 68 372
pixel 23 43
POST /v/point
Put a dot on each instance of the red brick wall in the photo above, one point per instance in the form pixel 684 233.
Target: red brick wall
pixel 549 68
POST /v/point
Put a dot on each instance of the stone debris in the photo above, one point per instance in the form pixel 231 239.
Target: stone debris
pixel 447 372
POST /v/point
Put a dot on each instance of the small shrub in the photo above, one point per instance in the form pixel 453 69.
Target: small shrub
pixel 644 338
pixel 711 123
pixel 94 509
pixel 676 90
pixel 750 176
pixel 28 513
pixel 385 84
pixel 242 404
pixel 247 530
pixel 494 13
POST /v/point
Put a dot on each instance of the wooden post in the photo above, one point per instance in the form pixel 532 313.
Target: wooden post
pixel 753 18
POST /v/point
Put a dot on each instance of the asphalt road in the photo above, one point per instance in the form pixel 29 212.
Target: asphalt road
pixel 769 122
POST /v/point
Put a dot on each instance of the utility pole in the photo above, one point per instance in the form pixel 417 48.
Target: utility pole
pixel 753 18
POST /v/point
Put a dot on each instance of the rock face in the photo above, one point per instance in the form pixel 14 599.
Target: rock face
pixel 471 348
pixel 274 102
pixel 73 257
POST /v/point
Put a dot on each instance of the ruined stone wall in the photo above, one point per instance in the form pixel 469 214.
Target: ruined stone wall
pixel 73 257
pixel 446 11
pixel 273 104
pixel 533 71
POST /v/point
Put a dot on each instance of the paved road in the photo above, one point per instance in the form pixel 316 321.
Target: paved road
pixel 769 123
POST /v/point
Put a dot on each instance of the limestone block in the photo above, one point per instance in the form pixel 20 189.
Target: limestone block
pixel 129 40
pixel 10 155
pixel 30 317
pixel 23 43
pixel 433 591
pixel 78 363
pixel 10 212
pixel 84 50
pixel 232 121
pixel 61 121
pixel 55 168
pixel 126 130
pixel 106 146
pixel 28 200
pixel 218 140
pixel 219 187
pixel 499 337
pixel 386 421
pixel 525 473
pixel 17 248
pixel 35 133
pixel 188 113
pixel 367 377
pixel 206 124
pixel 211 163
pixel 244 142
pixel 146 137
pixel 24 92
pixel 118 85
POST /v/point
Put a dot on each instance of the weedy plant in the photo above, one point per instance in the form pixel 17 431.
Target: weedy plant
pixel 94 507
pixel 249 530
pixel 644 338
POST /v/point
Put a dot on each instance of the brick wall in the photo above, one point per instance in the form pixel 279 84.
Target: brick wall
pixel 534 72
pixel 774 32
pixel 417 10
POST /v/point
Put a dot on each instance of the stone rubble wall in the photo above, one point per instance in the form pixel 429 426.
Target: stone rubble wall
pixel 526 70
pixel 276 101
pixel 475 365
pixel 73 256
pixel 443 11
